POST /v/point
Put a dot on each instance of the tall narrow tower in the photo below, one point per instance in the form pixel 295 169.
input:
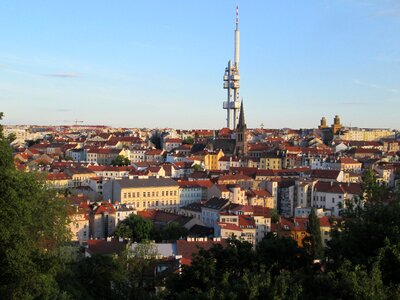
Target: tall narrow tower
pixel 241 134
pixel 232 83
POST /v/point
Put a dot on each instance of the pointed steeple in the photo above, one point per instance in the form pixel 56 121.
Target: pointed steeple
pixel 241 123
pixel 241 134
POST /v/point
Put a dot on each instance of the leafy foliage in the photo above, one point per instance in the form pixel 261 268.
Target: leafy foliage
pixel 362 262
pixel 313 241
pixel 189 140
pixel 120 161
pixel 172 231
pixel 134 227
pixel 373 190
pixel 32 230
pixel 274 216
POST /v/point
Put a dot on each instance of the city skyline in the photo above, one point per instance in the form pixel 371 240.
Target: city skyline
pixel 155 64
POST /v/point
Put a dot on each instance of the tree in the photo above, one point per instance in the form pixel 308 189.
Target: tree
pixel 365 231
pixel 173 231
pixel 274 216
pixel 373 190
pixel 197 168
pixel 281 253
pixel 230 273
pixel 102 276
pixel 120 161
pixel 314 240
pixel 189 140
pixel 134 227
pixel 33 227
pixel 11 137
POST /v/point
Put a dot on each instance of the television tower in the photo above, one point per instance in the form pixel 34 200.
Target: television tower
pixel 232 83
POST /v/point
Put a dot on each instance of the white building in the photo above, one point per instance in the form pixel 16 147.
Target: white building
pixel 332 195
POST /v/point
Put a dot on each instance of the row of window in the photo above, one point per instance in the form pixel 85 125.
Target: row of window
pixel 223 220
pixel 155 203
pixel 323 198
pixel 185 202
pixel 149 194
pixel 190 195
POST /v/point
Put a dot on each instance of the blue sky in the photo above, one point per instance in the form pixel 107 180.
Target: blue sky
pixel 160 63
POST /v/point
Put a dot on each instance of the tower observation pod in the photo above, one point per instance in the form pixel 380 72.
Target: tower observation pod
pixel 232 83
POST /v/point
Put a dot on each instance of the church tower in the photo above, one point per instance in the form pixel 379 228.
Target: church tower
pixel 241 134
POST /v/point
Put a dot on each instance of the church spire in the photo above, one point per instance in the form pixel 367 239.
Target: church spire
pixel 241 134
pixel 241 123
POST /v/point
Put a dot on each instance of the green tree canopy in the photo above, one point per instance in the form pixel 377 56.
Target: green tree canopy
pixel 373 190
pixel 281 253
pixel 188 140
pixel 173 231
pixel 136 228
pixel 120 161
pixel 33 225
pixel 313 242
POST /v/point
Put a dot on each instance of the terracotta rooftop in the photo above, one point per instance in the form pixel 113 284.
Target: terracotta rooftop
pixel 189 248
pixel 105 247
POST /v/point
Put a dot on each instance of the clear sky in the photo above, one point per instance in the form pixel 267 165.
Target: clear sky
pixel 160 63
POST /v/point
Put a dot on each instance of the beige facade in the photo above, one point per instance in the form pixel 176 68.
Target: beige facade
pixel 80 176
pixel 211 160
pixel 366 134
pixel 241 227
pixel 102 220
pixel 59 181
pixel 79 226
pixel 271 163
pixel 263 226
pixel 142 194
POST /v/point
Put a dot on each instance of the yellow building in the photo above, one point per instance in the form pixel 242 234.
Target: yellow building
pixel 211 160
pixel 362 134
pixel 325 227
pixel 271 161
pixel 59 181
pixel 142 194
pixel 80 176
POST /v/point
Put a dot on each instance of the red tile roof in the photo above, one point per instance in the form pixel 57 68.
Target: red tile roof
pixel 189 248
pixel 57 176
pixel 251 172
pixel 327 174
pixel 261 211
pixel 105 247
pixel 173 141
pixel 229 226
pixel 154 152
pixel 230 177
pixel 324 222
pixel 246 222
pixel 195 183
pixel 300 224
pixel 338 188
pixel 110 168
pixel 105 207
pixel 348 160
